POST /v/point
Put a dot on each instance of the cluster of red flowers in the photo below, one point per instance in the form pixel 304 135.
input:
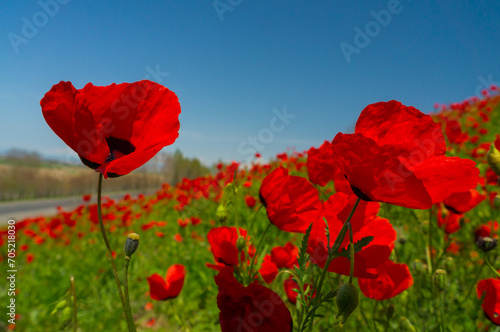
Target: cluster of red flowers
pixel 396 155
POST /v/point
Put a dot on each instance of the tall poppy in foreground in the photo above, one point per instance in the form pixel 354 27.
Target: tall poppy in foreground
pixel 116 128
pixel 252 308
pixel 397 156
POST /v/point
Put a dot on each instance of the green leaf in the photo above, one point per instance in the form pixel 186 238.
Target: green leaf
pixel 358 246
pixel 309 315
pixel 303 256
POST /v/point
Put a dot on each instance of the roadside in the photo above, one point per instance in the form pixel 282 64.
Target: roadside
pixel 19 210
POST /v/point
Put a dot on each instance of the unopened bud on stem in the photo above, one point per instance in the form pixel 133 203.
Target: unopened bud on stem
pixel 131 244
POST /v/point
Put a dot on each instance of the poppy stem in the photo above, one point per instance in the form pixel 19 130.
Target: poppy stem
pixel 250 270
pixel 332 253
pixel 128 316
pixel 441 310
pixel 73 292
pixel 351 245
pixel 429 252
pixel 125 286
pixel 490 265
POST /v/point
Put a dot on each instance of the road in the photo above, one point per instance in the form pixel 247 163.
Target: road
pixel 19 210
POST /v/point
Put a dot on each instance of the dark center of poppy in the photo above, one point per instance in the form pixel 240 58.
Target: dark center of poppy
pixel 118 147
pixel 452 209
pixel 358 192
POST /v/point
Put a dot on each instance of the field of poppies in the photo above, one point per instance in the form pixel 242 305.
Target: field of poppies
pixel 393 227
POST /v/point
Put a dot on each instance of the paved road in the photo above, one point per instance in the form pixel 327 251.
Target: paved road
pixel 19 210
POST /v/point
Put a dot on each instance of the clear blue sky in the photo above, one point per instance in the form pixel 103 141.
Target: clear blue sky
pixel 231 66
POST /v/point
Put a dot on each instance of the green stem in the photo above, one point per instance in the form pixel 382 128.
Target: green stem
pixel 75 321
pixel 125 285
pixel 128 316
pixel 250 271
pixel 331 255
pixel 490 265
pixel 441 300
pixel 351 245
pixel 429 252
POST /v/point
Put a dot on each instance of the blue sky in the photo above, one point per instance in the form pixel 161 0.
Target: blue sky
pixel 238 66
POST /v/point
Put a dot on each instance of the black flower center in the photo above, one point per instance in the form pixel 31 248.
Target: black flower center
pixel 358 192
pixel 118 147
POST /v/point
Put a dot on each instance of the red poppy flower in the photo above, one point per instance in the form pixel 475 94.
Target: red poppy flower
pixel 321 164
pixel 454 132
pixel 116 128
pixel 251 308
pixel 364 223
pixel 457 204
pixel 163 289
pixel 289 285
pixel 396 155
pixel 299 213
pixel 292 203
pixel 463 202
pixel 486 230
pixel 392 279
pixel 491 302
pixel 451 221
pixel 268 270
pixel 250 201
pixel 285 256
pixel 223 245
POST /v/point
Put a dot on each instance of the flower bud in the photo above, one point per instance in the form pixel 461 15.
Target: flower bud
pixel 347 301
pixel 440 279
pixel 131 244
pixel 486 243
pixel 221 214
pixel 241 243
pixel 493 158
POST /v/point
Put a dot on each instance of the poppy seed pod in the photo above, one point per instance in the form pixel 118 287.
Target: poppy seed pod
pixel 440 279
pixel 347 301
pixel 486 243
pixel 131 244
pixel 493 158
